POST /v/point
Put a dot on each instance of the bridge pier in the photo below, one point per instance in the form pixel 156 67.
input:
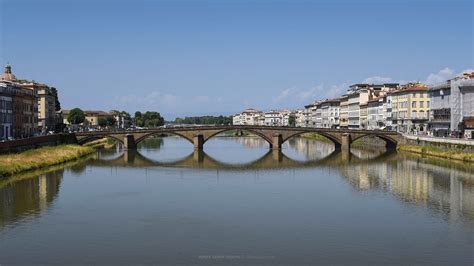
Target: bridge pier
pixel 198 156
pixel 129 142
pixel 277 155
pixel 390 145
pixel 346 140
pixel 198 141
pixel 129 156
pixel 277 141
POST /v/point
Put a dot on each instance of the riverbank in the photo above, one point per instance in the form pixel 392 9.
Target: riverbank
pixel 11 164
pixel 105 143
pixel 437 152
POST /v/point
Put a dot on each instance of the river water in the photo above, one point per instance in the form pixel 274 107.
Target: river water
pixel 239 203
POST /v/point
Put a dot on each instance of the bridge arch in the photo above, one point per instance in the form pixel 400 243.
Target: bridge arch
pixel 145 136
pixel 332 138
pixel 389 141
pixel 256 132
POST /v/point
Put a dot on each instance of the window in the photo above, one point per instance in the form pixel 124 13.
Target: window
pixel 422 104
pixel 413 104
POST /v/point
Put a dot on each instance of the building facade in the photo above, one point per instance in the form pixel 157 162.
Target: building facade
pixel 25 112
pixel 410 108
pixel 273 118
pixel 377 113
pixel 248 117
pixel 330 110
pixel 343 112
pixel 46 106
pixel 7 93
pixel 452 107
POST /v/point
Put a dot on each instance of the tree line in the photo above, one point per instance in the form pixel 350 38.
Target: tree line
pixel 205 120
pixel 148 119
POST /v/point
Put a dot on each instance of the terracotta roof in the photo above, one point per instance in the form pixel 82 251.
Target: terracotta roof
pixel 411 87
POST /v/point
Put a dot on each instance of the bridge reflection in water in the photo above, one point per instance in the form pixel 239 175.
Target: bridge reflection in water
pixel 442 189
pixel 273 159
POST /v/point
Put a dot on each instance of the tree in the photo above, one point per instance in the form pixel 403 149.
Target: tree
pixel 110 120
pixel 76 116
pixel 292 121
pixel 148 119
pixel 102 122
pixel 205 120
pixel 57 105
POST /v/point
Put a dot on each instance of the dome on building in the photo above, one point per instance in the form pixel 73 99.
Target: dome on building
pixel 7 74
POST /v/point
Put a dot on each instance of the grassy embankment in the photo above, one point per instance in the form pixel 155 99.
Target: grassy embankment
pixel 11 164
pixel 105 143
pixel 34 173
pixel 315 136
pixel 437 152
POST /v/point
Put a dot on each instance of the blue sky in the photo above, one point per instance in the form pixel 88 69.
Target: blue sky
pixel 209 57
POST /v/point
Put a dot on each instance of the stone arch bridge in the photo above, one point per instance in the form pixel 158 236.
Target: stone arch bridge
pixel 275 136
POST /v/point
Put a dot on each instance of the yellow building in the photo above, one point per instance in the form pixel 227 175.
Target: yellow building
pixel 46 106
pixel 91 117
pixel 410 108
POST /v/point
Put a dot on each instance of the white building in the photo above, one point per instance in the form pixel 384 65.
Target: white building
pixel 358 98
pixel 378 114
pixel 273 118
pixel 300 118
pixel 343 111
pixel 248 117
pixel 330 110
pixel 310 110
pixel 236 119
pixel 353 110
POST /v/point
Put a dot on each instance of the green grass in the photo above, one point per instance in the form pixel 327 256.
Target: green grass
pixel 316 136
pixel 106 143
pixel 11 164
pixel 438 152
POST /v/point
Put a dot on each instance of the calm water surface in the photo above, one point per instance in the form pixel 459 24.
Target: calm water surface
pixel 238 203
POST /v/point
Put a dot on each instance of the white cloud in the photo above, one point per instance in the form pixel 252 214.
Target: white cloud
pixel 337 90
pixel 377 80
pixel 469 70
pixel 442 75
pixel 284 94
pixel 433 78
pixel 296 97
pixel 309 95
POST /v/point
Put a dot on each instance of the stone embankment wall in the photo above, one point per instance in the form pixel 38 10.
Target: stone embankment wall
pixel 36 142
pixel 441 143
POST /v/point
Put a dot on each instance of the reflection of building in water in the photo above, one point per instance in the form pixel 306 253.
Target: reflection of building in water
pixel 312 149
pixel 447 190
pixel 251 142
pixel 29 196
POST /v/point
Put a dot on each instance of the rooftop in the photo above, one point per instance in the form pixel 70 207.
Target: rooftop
pixel 7 74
